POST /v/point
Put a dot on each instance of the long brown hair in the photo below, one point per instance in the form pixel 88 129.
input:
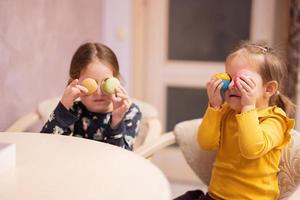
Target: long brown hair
pixel 272 67
pixel 88 53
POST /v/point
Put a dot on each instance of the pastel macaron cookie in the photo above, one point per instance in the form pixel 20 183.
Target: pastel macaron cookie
pixel 109 85
pixel 226 79
pixel 90 84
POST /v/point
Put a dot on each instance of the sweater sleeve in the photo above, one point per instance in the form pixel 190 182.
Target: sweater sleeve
pixel 60 121
pixel 124 134
pixel 257 136
pixel 209 129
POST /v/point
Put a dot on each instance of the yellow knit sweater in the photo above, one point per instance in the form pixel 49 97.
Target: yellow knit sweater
pixel 249 149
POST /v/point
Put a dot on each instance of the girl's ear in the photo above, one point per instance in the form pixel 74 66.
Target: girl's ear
pixel 271 88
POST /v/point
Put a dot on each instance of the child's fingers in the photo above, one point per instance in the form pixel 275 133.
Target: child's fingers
pixel 219 87
pixel 121 92
pixel 248 80
pixel 82 89
pixel 240 87
pixel 76 88
pixel 74 82
pixel 210 84
pixel 122 89
pixel 217 84
pixel 113 98
pixel 244 86
pixel 214 85
pixel 126 105
pixel 123 97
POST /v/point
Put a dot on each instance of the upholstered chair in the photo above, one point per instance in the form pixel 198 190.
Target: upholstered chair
pixel 201 162
pixel 150 126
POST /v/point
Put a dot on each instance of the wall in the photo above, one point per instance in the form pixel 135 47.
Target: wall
pixel 117 33
pixel 37 41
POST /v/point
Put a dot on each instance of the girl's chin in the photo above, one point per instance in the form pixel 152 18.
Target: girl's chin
pixel 98 108
pixel 235 107
pixel 234 104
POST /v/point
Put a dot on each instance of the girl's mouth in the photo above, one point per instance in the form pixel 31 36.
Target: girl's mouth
pixel 234 96
pixel 99 100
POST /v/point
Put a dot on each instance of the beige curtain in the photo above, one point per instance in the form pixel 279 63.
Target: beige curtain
pixel 293 57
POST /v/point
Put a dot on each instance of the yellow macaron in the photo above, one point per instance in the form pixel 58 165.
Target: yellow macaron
pixel 223 76
pixel 90 84
pixel 226 79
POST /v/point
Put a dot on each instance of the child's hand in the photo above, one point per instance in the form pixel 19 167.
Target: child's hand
pixel 214 92
pixel 247 86
pixel 121 104
pixel 72 92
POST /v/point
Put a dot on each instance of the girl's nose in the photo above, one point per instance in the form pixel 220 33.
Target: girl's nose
pixel 98 91
pixel 231 85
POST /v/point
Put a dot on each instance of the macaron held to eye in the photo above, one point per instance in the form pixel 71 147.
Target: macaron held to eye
pixel 108 86
pixel 90 84
pixel 226 79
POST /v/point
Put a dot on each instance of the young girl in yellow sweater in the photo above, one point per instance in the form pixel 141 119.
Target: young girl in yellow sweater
pixel 248 126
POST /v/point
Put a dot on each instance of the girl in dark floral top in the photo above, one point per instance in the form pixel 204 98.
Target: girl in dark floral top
pixel 112 119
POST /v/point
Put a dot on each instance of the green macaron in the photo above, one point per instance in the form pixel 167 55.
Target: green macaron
pixel 109 85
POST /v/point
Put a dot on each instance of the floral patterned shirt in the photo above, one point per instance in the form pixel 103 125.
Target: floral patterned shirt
pixel 80 122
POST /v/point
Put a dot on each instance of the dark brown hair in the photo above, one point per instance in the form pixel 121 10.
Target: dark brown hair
pixel 90 52
pixel 272 67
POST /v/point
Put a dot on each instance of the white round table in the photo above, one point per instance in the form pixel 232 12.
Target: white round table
pixel 68 168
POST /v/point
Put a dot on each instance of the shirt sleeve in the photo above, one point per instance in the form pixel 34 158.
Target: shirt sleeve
pixel 257 136
pixel 209 129
pixel 60 121
pixel 124 134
